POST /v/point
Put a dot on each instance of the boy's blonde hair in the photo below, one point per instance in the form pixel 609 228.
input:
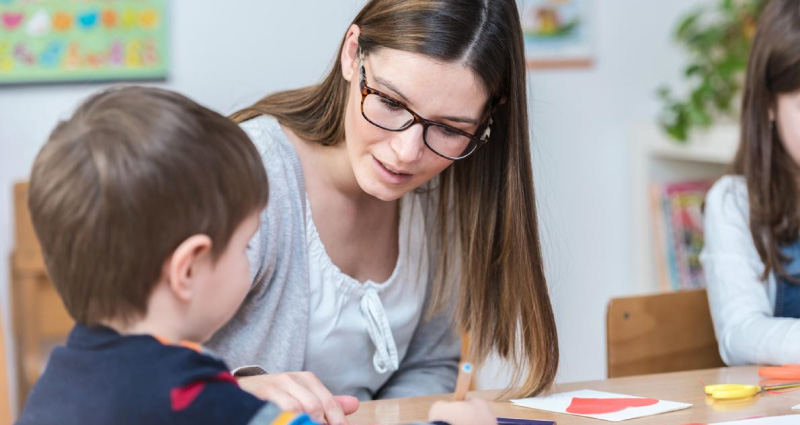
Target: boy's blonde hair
pixel 118 186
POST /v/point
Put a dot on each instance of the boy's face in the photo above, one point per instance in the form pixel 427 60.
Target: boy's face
pixel 224 284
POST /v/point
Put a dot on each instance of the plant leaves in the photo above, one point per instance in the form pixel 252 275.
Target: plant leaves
pixel 717 40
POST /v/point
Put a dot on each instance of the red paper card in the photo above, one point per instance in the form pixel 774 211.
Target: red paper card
pixel 595 406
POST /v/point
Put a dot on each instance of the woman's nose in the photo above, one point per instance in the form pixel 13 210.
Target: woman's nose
pixel 408 145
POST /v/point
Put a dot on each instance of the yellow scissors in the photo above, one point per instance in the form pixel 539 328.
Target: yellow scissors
pixel 733 391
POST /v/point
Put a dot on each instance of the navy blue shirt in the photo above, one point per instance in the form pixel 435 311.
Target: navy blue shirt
pixel 102 377
pixel 787 293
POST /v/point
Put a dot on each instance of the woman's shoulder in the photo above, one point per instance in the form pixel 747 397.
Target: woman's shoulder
pixel 265 132
pixel 277 152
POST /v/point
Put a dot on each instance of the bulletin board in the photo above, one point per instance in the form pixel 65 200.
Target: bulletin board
pixel 89 40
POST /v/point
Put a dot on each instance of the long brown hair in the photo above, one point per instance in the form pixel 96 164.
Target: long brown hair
pixel 771 174
pixel 493 259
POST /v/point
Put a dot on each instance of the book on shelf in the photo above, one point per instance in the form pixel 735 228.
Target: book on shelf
pixel 677 210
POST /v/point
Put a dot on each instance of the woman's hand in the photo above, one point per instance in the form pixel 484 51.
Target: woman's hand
pixel 470 412
pixel 301 392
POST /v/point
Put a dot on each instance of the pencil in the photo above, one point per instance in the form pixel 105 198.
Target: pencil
pixel 512 421
pixel 463 381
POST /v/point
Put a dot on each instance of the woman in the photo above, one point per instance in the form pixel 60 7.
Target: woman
pixel 401 213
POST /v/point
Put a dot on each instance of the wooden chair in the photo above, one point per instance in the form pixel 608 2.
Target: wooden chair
pixel 39 319
pixel 5 392
pixel 660 333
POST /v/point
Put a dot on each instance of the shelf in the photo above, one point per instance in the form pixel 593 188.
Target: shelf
pixel 656 158
pixel 716 145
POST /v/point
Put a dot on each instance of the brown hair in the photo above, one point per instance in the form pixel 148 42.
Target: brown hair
pixel 118 186
pixel 771 174
pixel 488 197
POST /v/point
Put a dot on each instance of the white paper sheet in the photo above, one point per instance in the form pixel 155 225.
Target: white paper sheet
pixel 560 402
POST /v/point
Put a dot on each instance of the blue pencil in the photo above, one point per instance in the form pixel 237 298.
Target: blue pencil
pixel 515 421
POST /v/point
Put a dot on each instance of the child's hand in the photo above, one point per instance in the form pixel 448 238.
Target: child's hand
pixel 470 412
pixel 301 392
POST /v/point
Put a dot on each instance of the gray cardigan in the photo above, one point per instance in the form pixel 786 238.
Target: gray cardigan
pixel 271 327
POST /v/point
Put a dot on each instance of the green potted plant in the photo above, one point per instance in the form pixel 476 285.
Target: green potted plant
pixel 717 40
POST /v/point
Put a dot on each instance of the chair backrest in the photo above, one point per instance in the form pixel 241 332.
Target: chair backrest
pixel 5 392
pixel 666 332
pixel 39 319
pixel 27 252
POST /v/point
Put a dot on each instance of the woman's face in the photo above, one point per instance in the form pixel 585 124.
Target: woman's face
pixel 389 164
pixel 788 123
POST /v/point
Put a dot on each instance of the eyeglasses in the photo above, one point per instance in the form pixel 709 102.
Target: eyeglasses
pixel 389 114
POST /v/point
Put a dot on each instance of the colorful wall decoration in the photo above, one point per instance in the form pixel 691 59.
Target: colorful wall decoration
pixel 86 40
pixel 558 33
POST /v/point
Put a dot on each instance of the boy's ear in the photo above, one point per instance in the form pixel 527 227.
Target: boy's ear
pixel 183 266
pixel 349 58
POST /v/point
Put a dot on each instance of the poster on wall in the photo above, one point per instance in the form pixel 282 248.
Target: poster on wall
pixel 44 41
pixel 557 33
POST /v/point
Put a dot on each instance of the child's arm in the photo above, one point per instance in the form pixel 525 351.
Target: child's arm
pixel 301 391
pixel 218 399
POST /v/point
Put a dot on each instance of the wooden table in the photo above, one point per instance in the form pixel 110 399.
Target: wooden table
pixel 680 386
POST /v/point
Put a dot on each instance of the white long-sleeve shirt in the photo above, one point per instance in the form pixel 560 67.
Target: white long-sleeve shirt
pixel 742 305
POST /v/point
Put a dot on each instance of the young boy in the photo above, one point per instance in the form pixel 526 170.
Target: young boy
pixel 144 203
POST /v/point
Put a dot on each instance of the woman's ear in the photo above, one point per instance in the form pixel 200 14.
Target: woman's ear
pixel 349 58
pixel 186 265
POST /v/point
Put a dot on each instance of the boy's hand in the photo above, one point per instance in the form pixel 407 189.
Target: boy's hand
pixel 470 412
pixel 301 392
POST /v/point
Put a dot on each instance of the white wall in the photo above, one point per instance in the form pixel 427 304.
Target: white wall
pixel 226 57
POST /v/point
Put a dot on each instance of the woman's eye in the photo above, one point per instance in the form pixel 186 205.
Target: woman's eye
pixel 449 131
pixel 391 103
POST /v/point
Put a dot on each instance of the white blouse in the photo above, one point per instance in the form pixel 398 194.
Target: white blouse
pixel 369 323
pixel 742 305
